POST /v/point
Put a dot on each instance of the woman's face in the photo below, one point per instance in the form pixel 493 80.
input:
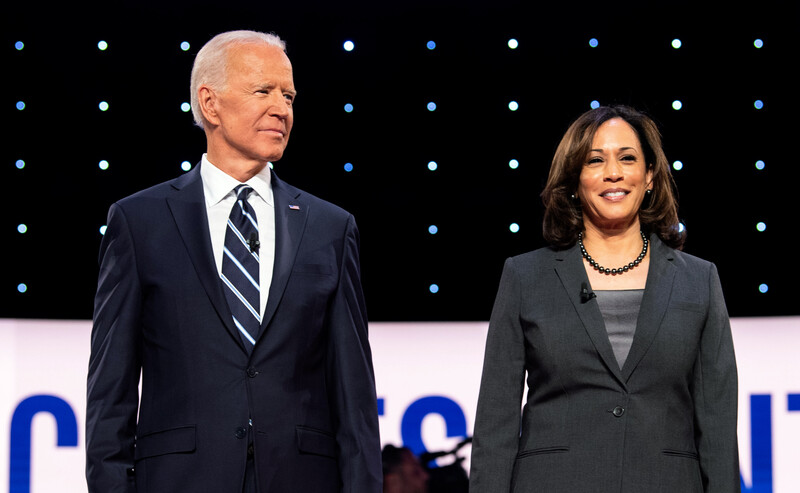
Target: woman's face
pixel 614 177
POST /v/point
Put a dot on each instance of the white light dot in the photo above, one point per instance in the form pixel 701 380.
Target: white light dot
pixel 758 104
pixel 348 167
pixel 676 43
pixel 186 107
pixel 432 229
pixel 760 164
pixel 433 288
pixel 185 46
pixel 19 164
pixel 513 105
pixel 594 104
pixel 513 44
pixel 348 108
pixel 20 105
pixel 103 106
pixel 431 45
pixel 758 43
pixel 761 226
pixel 349 45
pixel 593 42
pixel 677 104
pixel 103 165
pixel 677 165
pixel 513 227
pixel 432 165
pixel 19 45
pixel 22 228
pixel 22 287
pixel 186 166
pixel 513 164
pixel 102 45
pixel 103 229
pixel 431 106
pixel 763 288
pixel 681 227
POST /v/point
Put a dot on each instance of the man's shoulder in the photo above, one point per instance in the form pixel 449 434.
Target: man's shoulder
pixel 313 202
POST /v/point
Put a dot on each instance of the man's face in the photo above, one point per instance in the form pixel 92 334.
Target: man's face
pixel 254 111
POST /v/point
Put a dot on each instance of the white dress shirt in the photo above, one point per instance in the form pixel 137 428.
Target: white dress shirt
pixel 218 190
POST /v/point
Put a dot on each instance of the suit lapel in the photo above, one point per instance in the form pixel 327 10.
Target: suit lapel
pixel 660 277
pixel 291 213
pixel 570 270
pixel 188 209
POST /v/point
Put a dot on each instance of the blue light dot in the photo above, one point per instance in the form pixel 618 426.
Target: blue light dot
pixel 681 227
pixel 677 165
pixel 186 107
pixel 186 166
pixel 433 288
pixel 102 45
pixel 348 108
pixel 185 46
pixel 19 164
pixel 432 165
pixel 758 104
pixel 432 229
pixel 513 227
pixel 593 42
pixel 758 43
pixel 513 105
pixel 22 287
pixel 676 43
pixel 513 164
pixel 348 167
pixel 349 45
pixel 677 104
pixel 594 104
pixel 20 105
pixel 431 106
pixel 760 164
pixel 22 228
pixel 103 229
pixel 103 165
pixel 103 106
pixel 761 226
pixel 763 288
pixel 19 45
pixel 431 45
pixel 513 44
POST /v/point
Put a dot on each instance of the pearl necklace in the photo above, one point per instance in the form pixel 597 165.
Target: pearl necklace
pixel 620 270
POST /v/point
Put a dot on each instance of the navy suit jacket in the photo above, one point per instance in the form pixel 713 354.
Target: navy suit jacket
pixel 665 422
pixel 305 397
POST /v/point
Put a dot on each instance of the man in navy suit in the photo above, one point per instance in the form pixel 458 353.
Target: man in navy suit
pixel 286 405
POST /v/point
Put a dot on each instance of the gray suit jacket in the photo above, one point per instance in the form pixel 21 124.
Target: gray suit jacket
pixel 665 422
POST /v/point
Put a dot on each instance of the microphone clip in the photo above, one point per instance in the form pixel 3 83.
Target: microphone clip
pixel 586 295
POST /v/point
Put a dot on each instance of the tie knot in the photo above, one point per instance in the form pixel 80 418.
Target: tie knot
pixel 242 191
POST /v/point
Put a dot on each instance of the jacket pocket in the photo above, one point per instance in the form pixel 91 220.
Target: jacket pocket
pixel 316 442
pixel 541 451
pixel 680 453
pixel 172 441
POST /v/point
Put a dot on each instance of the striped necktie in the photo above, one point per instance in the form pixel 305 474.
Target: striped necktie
pixel 240 267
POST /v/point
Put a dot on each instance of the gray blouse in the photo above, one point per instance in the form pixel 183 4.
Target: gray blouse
pixel 620 309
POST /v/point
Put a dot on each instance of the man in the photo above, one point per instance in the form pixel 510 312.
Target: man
pixel 240 306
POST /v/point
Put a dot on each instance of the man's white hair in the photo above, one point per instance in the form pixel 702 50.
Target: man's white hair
pixel 211 63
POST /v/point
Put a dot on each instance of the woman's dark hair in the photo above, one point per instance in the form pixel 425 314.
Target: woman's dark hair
pixel 563 219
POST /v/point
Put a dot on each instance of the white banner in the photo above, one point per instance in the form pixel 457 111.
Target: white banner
pixel 427 374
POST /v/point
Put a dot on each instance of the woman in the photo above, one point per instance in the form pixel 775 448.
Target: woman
pixel 625 339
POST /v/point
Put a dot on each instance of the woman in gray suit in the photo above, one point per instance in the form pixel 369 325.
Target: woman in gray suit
pixel 625 339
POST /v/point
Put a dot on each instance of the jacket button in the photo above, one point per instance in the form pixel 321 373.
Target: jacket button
pixel 240 432
pixel 251 372
pixel 618 411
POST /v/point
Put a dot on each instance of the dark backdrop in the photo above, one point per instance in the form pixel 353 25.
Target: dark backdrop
pixel 62 196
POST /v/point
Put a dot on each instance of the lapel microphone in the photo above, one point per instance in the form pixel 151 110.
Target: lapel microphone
pixel 253 242
pixel 586 295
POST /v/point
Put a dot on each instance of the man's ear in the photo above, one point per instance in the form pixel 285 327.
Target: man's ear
pixel 208 104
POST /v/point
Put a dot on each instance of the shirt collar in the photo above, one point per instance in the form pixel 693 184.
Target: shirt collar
pixel 217 184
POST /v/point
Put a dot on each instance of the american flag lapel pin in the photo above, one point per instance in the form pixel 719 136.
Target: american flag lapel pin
pixel 294 207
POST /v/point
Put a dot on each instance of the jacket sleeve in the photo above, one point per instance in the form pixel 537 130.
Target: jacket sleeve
pixel 497 421
pixel 351 380
pixel 115 363
pixel 715 393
